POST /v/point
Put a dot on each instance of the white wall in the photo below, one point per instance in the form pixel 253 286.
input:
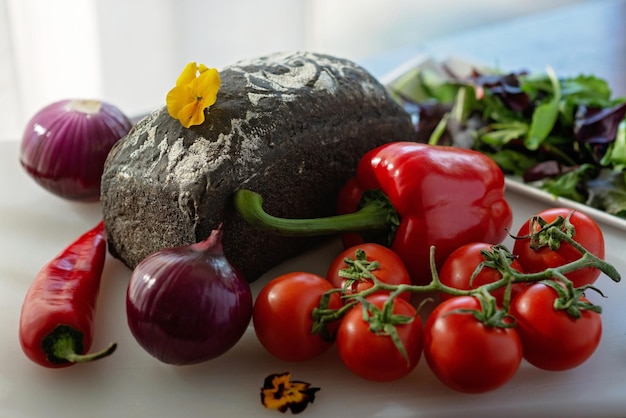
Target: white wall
pixel 146 43
pixel 139 43
pixel 54 50
pixel 360 28
pixel 129 52
pixel 9 113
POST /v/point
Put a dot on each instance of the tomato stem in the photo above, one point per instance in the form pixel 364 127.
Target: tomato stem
pixel 569 298
pixel 384 321
pixel 499 258
pixel 587 259
pixel 359 269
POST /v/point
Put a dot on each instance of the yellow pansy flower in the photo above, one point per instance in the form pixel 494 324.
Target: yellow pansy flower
pixel 196 89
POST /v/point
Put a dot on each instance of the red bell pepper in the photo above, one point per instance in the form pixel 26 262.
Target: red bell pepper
pixel 443 196
pixel 409 196
pixel 56 321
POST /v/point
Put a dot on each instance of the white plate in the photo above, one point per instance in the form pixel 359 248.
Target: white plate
pixel 461 68
pixel 540 195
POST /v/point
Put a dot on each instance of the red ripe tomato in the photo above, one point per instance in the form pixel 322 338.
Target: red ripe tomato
pixel 588 234
pixel 391 269
pixel 465 354
pixel 374 356
pixel 551 338
pixel 282 316
pixel 458 268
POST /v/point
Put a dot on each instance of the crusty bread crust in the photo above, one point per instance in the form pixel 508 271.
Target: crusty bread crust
pixel 291 127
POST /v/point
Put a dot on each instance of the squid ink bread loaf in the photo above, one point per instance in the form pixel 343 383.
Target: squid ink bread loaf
pixel 290 126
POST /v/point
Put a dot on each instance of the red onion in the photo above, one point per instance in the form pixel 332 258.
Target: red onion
pixel 188 304
pixel 65 144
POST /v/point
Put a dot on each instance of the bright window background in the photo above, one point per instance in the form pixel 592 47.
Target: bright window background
pixel 130 52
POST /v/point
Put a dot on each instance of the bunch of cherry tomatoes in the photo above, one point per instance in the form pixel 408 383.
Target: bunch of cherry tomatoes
pixel 473 340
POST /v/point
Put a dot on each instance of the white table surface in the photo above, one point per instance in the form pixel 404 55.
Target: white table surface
pixel 35 225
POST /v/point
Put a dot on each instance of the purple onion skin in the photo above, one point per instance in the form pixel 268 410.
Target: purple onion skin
pixel 188 305
pixel 66 143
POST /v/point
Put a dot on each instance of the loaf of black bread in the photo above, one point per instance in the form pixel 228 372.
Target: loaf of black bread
pixel 290 126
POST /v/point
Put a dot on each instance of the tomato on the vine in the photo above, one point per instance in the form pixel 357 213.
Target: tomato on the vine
pixel 389 268
pixel 551 338
pixel 587 233
pixel 464 353
pixel 459 266
pixel 283 316
pixel 372 354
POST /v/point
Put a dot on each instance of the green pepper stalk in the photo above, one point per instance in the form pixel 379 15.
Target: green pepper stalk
pixel 375 214
pixel 408 196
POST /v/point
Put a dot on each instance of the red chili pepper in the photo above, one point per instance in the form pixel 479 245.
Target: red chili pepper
pixel 56 322
pixel 408 196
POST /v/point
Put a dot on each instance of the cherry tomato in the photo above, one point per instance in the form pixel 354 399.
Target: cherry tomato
pixel 465 354
pixel 391 269
pixel 282 316
pixel 458 268
pixel 551 338
pixel 588 234
pixel 374 356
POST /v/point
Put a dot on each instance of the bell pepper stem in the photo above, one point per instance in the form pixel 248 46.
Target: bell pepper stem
pixel 372 216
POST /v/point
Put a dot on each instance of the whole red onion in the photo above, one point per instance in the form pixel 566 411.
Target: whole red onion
pixel 65 144
pixel 188 304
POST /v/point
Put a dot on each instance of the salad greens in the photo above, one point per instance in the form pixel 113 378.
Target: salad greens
pixel 564 135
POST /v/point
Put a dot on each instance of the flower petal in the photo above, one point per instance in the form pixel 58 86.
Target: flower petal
pixel 192 114
pixel 207 85
pixel 187 75
pixel 177 98
pixel 196 89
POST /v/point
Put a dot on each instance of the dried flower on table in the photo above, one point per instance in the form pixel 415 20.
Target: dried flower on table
pixel 281 393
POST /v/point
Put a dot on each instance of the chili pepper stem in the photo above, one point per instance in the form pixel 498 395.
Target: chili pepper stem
pixel 66 352
pixel 64 343
pixel 370 217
